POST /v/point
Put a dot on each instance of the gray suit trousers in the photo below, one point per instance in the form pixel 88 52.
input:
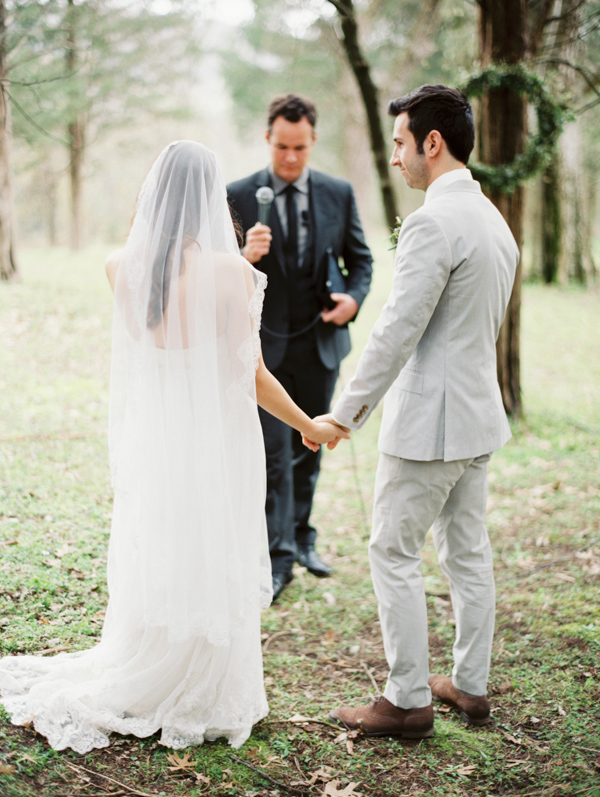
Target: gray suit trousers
pixel 450 498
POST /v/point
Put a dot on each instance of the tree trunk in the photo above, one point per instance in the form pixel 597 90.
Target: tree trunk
pixel 76 139
pixel 550 220
pixel 503 123
pixel 562 245
pixel 576 258
pixel 369 94
pixel 76 149
pixel 8 263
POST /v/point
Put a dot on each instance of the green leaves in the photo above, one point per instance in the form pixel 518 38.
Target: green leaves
pixel 551 116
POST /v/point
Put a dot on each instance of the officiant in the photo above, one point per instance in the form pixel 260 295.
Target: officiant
pixel 299 233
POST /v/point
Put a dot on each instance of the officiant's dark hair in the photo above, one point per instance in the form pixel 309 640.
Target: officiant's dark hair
pixel 441 108
pixel 292 107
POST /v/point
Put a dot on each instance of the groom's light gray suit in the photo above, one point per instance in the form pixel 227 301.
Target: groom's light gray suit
pixel 432 354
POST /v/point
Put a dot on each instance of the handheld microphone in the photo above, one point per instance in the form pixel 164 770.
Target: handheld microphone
pixel 264 197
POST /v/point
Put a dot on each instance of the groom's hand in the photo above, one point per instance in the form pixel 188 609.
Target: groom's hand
pixel 328 418
pixel 258 242
pixel 345 309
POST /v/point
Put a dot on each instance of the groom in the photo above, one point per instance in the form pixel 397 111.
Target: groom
pixel 432 354
pixel 313 220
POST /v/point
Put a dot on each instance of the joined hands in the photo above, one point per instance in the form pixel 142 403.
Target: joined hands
pixel 326 431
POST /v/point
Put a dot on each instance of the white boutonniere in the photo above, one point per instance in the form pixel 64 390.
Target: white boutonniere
pixel 396 232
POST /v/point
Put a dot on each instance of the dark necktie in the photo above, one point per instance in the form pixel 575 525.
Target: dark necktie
pixel 291 243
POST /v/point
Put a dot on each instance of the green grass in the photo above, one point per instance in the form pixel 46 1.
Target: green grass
pixel 322 643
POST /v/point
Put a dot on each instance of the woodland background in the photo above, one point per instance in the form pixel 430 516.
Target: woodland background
pixel 93 89
pixel 90 92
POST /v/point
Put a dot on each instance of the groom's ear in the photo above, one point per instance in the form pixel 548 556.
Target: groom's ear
pixel 432 145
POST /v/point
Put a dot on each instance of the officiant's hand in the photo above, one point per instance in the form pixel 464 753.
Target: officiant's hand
pixel 345 309
pixel 258 242
pixel 343 433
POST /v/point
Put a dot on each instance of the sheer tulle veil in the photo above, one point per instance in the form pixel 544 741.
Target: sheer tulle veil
pixel 188 560
pixel 182 442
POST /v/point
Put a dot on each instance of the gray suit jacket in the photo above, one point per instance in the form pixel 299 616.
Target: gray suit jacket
pixel 433 349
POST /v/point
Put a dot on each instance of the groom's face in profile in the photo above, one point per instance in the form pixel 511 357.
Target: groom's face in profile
pixel 290 144
pixel 412 164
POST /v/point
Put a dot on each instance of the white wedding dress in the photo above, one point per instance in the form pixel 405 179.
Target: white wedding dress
pixel 188 562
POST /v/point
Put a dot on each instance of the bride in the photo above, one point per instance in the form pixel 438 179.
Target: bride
pixel 188 559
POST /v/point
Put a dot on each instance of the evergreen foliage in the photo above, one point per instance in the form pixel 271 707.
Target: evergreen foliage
pixel 551 116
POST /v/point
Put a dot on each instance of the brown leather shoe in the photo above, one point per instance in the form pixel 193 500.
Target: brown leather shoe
pixel 382 718
pixel 475 710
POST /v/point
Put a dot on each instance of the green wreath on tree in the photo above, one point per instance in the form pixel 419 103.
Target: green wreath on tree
pixel 551 116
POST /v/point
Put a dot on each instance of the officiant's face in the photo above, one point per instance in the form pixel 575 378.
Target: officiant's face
pixel 290 144
pixel 412 164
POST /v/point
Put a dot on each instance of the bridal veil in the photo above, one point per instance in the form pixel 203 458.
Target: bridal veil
pixel 188 562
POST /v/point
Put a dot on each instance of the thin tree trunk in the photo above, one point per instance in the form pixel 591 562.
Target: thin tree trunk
pixel 369 93
pixel 503 126
pixel 76 149
pixel 76 140
pixel 48 185
pixel 574 261
pixel 550 220
pixel 588 199
pixel 8 263
pixel 561 245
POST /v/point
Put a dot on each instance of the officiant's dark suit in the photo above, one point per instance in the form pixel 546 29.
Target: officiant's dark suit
pixel 301 349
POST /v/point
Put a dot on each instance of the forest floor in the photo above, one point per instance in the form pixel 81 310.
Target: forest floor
pixel 321 641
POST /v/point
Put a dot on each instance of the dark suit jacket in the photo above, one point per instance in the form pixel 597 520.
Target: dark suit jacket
pixel 336 231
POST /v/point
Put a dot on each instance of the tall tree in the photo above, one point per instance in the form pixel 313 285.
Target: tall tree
pixel 8 263
pixel 75 127
pixel 509 32
pixel 87 66
pixel 370 97
pixel 565 233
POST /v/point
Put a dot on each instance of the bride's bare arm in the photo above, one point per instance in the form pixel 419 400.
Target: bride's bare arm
pixel 112 266
pixel 272 397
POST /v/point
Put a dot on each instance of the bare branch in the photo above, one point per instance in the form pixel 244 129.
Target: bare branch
pixel 31 121
pixel 568 14
pixel 9 82
pixel 539 24
pixel 587 107
pixel 580 70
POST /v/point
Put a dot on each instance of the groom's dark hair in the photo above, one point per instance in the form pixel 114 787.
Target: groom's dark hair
pixel 292 107
pixel 441 108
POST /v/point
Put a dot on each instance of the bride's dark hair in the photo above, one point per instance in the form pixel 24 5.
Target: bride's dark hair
pixel 184 182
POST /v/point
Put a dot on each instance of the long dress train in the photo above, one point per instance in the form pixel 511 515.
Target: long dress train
pixel 188 563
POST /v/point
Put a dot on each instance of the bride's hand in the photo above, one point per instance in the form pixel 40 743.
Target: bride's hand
pixel 322 432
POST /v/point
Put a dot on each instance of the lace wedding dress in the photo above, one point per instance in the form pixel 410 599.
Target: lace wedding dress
pixel 188 561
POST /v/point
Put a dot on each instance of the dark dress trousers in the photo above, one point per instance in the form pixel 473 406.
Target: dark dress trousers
pixel 306 364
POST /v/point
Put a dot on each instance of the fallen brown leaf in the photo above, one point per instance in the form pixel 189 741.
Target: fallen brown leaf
pixel 324 774
pixel 298 719
pixel 333 789
pixel 467 770
pixel 180 764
